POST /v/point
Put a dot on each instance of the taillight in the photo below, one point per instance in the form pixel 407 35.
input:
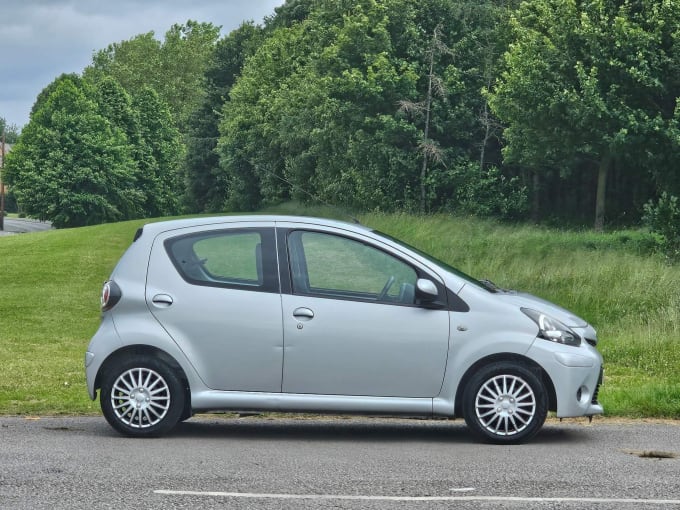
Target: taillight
pixel 110 295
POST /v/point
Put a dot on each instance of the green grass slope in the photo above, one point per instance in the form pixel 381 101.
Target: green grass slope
pixel 50 284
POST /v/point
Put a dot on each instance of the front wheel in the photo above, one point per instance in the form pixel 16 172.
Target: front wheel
pixel 142 397
pixel 504 403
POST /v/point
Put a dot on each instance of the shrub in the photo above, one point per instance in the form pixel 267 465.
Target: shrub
pixel 663 218
pixel 487 193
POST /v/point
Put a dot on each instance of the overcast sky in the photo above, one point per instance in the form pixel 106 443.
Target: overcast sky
pixel 41 39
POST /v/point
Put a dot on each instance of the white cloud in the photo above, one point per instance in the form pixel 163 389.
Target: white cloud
pixel 41 39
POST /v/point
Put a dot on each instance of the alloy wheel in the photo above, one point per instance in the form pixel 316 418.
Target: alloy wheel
pixel 505 405
pixel 140 398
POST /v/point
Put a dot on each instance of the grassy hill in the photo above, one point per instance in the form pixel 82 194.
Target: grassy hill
pixel 50 284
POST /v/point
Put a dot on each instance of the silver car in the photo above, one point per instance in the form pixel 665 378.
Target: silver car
pixel 293 314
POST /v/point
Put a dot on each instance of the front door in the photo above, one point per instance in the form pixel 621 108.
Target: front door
pixel 351 324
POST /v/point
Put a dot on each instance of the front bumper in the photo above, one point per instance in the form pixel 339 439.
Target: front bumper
pixel 576 374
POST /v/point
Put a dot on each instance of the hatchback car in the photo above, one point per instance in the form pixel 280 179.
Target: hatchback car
pixel 293 314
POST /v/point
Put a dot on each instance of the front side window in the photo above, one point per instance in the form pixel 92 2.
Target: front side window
pixel 334 266
pixel 235 258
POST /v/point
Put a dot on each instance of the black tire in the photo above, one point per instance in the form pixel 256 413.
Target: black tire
pixel 142 397
pixel 505 403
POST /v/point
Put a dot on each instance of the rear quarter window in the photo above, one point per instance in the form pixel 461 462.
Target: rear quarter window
pixel 233 258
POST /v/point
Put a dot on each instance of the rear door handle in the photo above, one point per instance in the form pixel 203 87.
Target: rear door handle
pixel 162 300
pixel 303 314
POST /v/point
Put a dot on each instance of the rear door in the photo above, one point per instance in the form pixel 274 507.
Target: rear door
pixel 215 290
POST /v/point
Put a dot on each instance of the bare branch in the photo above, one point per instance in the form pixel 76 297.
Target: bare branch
pixel 438 87
pixel 432 151
pixel 411 108
pixel 437 43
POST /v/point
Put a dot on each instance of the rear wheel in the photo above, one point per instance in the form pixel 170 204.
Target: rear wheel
pixel 142 397
pixel 505 402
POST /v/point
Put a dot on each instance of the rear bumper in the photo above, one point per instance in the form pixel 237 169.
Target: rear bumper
pixel 97 351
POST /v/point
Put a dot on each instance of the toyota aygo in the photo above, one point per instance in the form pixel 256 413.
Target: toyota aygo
pixel 293 314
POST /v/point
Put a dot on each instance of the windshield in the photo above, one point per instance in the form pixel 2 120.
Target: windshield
pixel 485 284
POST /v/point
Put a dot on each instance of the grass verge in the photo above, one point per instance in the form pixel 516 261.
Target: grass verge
pixel 50 284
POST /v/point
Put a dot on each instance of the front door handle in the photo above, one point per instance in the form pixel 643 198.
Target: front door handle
pixel 303 314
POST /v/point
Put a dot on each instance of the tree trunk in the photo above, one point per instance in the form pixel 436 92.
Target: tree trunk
pixel 486 122
pixel 423 193
pixel 601 192
pixel 426 134
pixel 536 203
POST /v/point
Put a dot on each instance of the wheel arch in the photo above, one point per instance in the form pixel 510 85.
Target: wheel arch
pixel 518 358
pixel 147 350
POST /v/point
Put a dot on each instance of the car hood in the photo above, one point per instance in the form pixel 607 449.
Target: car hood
pixel 524 300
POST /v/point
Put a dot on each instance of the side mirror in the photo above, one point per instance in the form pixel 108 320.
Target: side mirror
pixel 426 291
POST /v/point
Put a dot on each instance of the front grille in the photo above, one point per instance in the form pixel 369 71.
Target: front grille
pixel 591 342
pixel 597 388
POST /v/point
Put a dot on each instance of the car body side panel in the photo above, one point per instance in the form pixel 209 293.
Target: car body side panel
pixel 489 328
pixel 131 332
pixel 104 341
pixel 301 403
pixel 357 348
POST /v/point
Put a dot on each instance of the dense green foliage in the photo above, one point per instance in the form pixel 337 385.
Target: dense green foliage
pixel 370 104
pixel 560 111
pixel 591 86
pixel 205 184
pixel 663 217
pixel 610 279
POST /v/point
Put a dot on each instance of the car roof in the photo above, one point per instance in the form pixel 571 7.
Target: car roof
pixel 164 226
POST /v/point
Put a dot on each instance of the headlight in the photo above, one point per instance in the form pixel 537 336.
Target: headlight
pixel 552 329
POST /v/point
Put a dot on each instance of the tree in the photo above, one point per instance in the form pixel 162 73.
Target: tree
pixel 173 67
pixel 291 12
pixel 153 140
pixel 184 57
pixel 205 185
pixel 71 166
pixel 592 85
pixel 11 131
pixel 158 176
pixel 133 63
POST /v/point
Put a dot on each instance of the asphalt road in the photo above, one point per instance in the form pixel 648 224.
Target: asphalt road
pixel 22 225
pixel 357 463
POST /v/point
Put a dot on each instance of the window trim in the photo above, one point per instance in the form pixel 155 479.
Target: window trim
pixel 270 272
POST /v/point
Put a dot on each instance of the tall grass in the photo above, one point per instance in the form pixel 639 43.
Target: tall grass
pixel 630 296
pixel 50 284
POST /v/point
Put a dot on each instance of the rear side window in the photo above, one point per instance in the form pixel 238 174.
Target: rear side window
pixel 241 258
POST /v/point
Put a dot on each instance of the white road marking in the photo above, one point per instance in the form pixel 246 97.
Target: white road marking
pixel 255 495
